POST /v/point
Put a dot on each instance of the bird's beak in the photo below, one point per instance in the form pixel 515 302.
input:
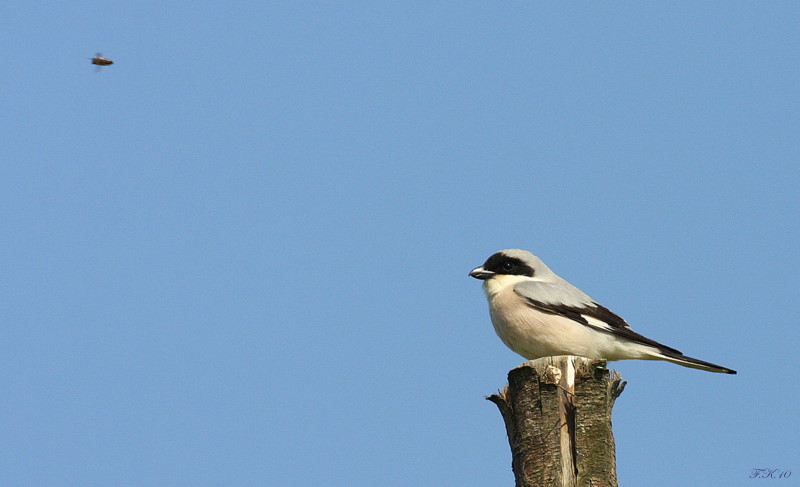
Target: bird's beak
pixel 481 273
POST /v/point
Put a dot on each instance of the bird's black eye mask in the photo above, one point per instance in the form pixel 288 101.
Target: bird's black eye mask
pixel 503 264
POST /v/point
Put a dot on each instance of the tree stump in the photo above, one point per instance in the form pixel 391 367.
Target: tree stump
pixel 557 412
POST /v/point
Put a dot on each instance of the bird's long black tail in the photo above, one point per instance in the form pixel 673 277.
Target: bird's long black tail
pixel 694 363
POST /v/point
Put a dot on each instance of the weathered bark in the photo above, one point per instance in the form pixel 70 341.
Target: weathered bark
pixel 557 412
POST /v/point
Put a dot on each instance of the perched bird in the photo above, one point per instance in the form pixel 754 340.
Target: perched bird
pixel 538 314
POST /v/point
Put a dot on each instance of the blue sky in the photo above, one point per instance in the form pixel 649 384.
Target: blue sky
pixel 239 255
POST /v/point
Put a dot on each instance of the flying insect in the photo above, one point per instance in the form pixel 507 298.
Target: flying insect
pixel 99 60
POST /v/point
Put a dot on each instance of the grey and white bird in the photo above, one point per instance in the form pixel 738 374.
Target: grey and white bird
pixel 538 314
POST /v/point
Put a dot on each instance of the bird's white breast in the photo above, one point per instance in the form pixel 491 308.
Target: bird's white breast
pixel 533 333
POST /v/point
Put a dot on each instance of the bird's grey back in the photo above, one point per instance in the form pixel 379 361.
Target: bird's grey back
pixel 547 286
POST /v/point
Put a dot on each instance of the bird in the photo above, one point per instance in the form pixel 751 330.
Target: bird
pixel 538 314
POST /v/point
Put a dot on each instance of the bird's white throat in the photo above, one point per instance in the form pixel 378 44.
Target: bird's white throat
pixel 498 283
